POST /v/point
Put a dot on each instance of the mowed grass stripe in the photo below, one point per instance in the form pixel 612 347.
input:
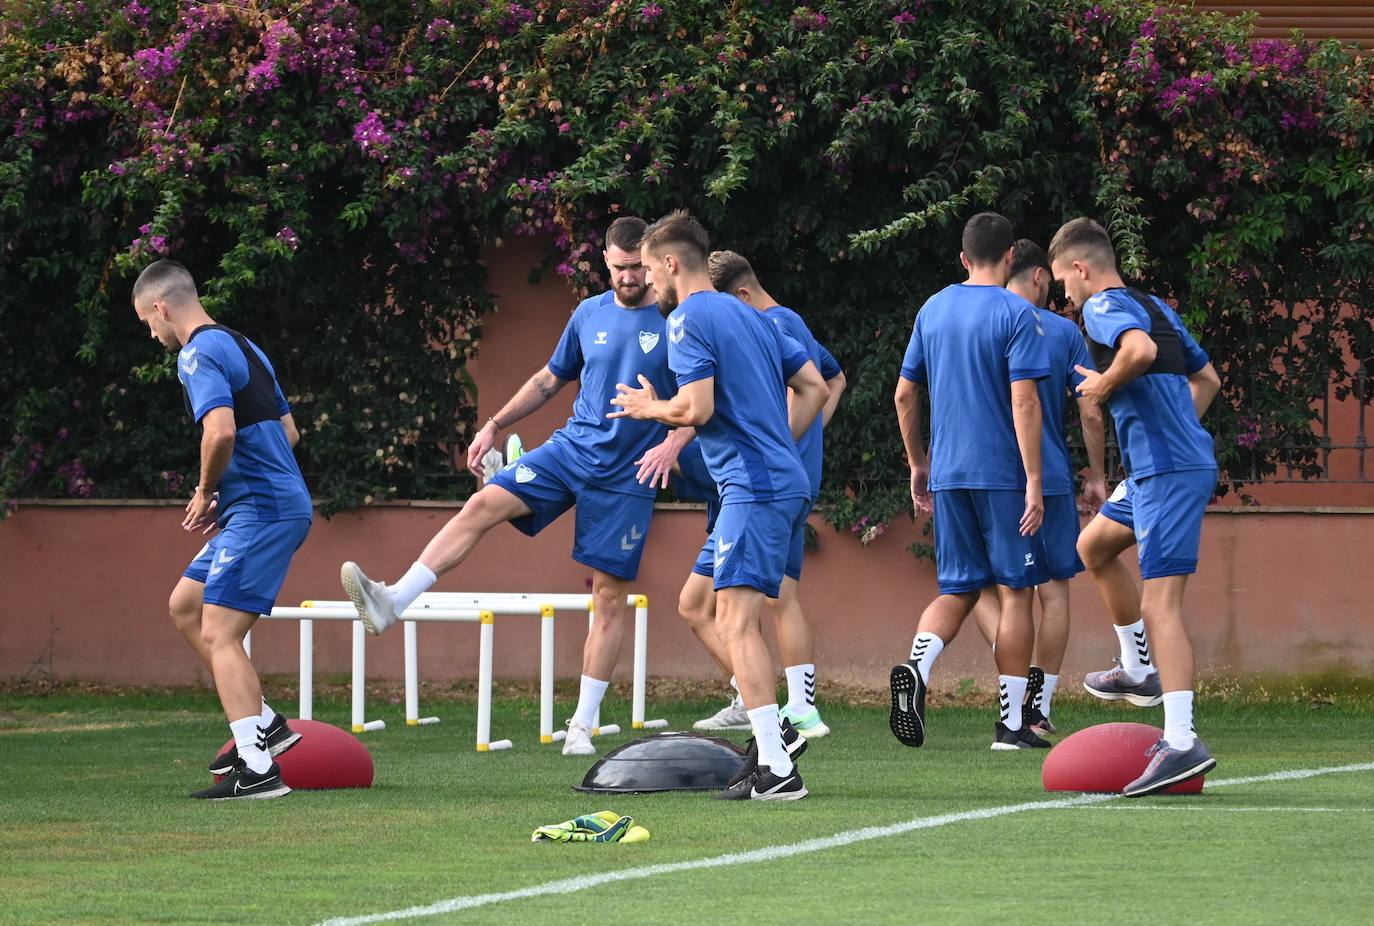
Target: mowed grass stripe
pixel 790 850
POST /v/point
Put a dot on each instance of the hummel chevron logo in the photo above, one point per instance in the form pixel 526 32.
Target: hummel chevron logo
pixel 628 541
pixel 189 363
pixel 224 560
pixel 1142 647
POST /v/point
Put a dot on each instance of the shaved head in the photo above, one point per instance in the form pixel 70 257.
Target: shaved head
pixel 165 281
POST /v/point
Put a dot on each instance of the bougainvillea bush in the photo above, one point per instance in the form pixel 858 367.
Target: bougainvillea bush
pixel 333 169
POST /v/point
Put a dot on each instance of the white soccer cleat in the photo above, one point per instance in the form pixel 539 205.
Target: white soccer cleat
pixel 375 608
pixel 733 716
pixel 578 741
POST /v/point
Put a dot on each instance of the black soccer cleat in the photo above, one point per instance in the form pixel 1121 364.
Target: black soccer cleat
pixel 793 740
pixel 907 718
pixel 242 783
pixel 763 785
pixel 1021 738
pixel 1036 722
pixel 278 738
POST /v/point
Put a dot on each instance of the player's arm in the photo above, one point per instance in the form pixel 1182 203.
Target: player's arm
pixel 1094 426
pixel 537 390
pixel 1134 353
pixel 908 402
pixel 837 385
pixel 293 433
pixel 216 447
pixel 809 395
pixel 692 407
pixel 1026 417
pixel 1204 385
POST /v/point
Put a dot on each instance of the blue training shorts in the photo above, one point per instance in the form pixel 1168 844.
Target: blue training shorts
pixel 978 541
pixel 1165 513
pixel 611 526
pixel 244 565
pixel 751 542
pixel 1060 533
pixel 796 551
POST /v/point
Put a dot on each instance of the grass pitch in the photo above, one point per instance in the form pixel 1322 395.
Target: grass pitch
pixel 95 826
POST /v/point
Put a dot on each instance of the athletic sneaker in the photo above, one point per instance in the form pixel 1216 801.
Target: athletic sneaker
pixel 1036 722
pixel 1116 685
pixel 1020 738
pixel 732 716
pixel 1035 683
pixel 242 783
pixel 907 719
pixel 375 608
pixel 793 741
pixel 762 785
pixel 1169 766
pixel 578 741
pixel 278 737
pixel 808 725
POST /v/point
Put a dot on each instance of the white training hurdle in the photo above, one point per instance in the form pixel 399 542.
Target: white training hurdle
pixel 464 607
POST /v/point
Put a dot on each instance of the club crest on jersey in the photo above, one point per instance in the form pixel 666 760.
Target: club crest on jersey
pixel 677 328
pixel 648 340
pixel 600 338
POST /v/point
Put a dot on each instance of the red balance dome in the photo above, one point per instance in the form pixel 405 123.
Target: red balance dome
pixel 324 757
pixel 1105 758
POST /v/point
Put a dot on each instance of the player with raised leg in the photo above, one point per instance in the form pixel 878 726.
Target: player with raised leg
pixel 252 490
pixel 980 349
pixel 1030 279
pixel 1157 382
pixel 611 338
pixel 733 368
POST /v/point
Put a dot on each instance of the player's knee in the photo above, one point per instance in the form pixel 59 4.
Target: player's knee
pixel 184 610
pixel 1092 555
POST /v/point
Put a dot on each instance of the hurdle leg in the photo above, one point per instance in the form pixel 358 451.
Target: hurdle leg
pixel 546 651
pixel 484 743
pixel 360 723
pixel 642 668
pixel 413 718
pixel 306 711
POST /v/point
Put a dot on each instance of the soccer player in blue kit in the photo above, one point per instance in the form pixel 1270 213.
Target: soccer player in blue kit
pixel 980 349
pixel 251 490
pixel 611 338
pixel 1157 382
pixel 1065 348
pixel 733 367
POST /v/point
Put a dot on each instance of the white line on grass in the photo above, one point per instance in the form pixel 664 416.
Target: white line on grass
pixel 790 850
pixel 1202 808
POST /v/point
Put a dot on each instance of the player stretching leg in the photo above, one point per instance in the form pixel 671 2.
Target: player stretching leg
pixel 614 337
pixel 1030 279
pixel 252 490
pixel 733 368
pixel 981 350
pixel 1157 382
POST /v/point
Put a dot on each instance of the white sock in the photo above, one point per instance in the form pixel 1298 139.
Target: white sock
pixel 1178 719
pixel 1011 691
pixel 249 742
pixel 1135 651
pixel 1047 694
pixel 801 689
pixel 417 580
pixel 589 701
pixel 925 648
pixel 267 716
pixel 768 735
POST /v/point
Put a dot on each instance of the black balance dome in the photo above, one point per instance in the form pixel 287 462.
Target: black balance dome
pixel 673 761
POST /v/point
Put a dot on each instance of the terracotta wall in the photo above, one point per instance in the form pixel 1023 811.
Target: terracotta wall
pixel 86 586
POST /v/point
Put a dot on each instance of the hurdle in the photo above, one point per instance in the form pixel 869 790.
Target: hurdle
pixel 456 608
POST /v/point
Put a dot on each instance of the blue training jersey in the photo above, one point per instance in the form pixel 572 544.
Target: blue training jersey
pixel 969 344
pixel 263 481
pixel 1065 349
pixel 811 447
pixel 747 444
pixel 604 344
pixel 1156 423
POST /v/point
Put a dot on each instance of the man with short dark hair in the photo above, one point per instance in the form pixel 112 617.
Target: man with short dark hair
pixel 1157 382
pixel 614 337
pixel 1030 279
pixel 251 490
pixel 980 350
pixel 733 368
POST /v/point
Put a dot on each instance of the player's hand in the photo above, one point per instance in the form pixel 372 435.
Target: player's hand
pixel 484 441
pixel 1034 514
pixel 658 463
pixel 201 512
pixel 920 489
pixel 1094 495
pixel 634 403
pixel 1093 387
